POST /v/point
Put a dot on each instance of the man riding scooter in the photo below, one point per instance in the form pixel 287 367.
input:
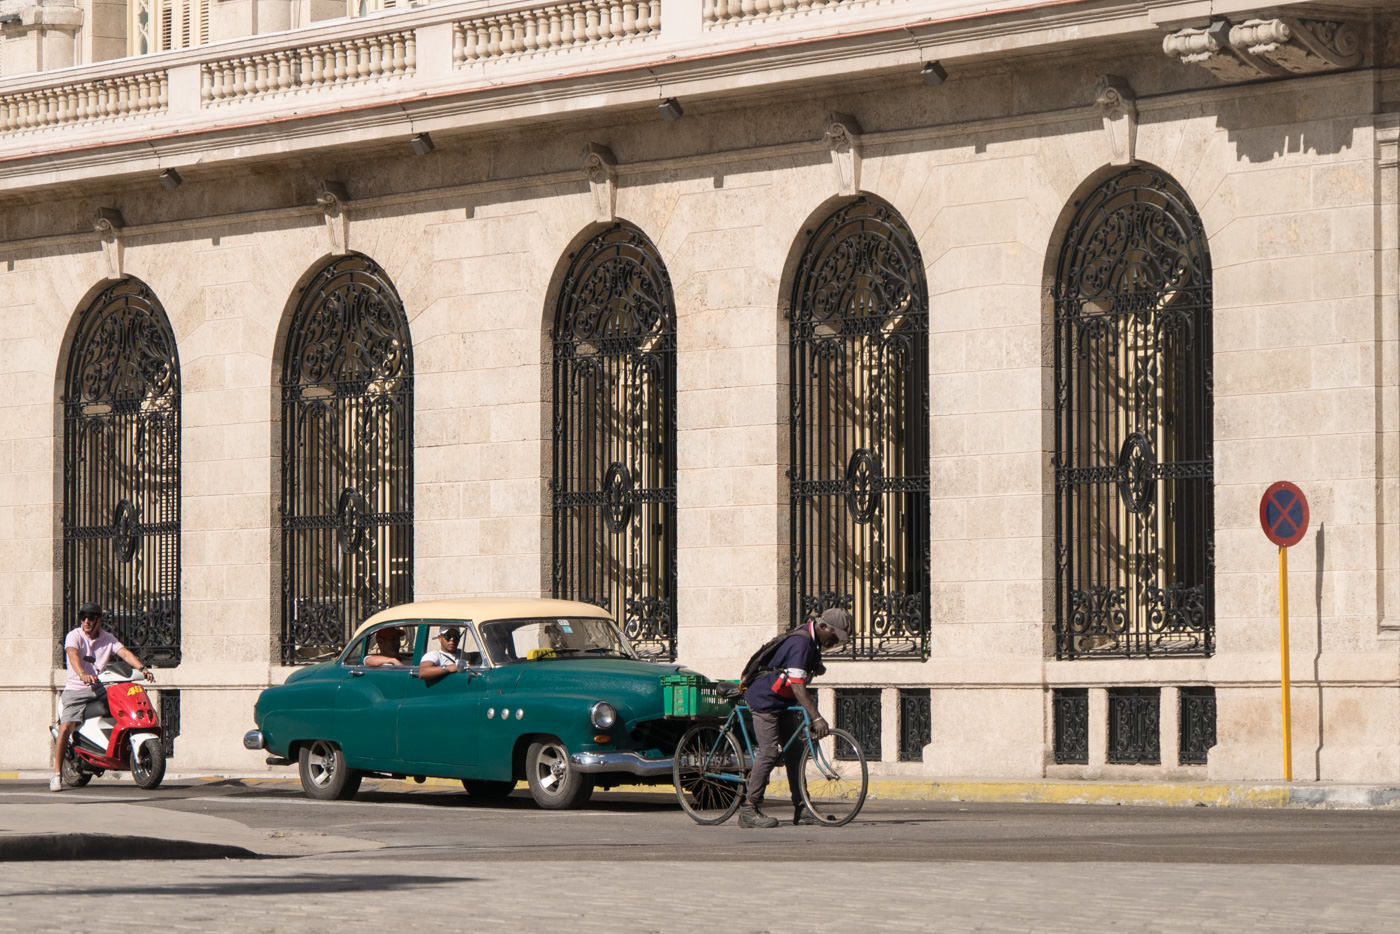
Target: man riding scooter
pixel 86 649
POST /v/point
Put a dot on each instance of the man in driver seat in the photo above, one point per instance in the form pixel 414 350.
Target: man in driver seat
pixel 446 658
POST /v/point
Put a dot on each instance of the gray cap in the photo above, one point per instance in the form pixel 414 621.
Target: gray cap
pixel 838 621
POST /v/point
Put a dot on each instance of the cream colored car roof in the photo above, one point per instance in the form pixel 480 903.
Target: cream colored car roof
pixel 480 609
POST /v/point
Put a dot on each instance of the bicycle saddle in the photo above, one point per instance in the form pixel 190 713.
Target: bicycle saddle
pixel 726 691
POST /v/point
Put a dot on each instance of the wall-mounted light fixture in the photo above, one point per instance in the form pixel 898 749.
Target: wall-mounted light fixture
pixel 670 110
pixel 934 74
pixel 170 179
pixel 422 144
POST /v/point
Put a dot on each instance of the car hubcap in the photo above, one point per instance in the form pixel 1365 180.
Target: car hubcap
pixel 553 768
pixel 322 764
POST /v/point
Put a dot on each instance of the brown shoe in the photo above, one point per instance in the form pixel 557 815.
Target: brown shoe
pixel 750 816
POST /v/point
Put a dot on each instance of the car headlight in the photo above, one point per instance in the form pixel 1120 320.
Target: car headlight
pixel 603 715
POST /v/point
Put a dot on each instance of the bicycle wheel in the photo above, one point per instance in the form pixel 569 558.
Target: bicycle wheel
pixel 708 774
pixel 834 781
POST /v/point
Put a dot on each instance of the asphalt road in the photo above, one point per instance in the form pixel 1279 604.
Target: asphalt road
pixel 437 822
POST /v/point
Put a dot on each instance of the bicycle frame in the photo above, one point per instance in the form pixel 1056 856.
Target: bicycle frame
pixel 804 730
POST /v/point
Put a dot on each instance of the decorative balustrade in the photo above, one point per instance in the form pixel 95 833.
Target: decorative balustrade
pixel 553 28
pixel 84 102
pixel 312 67
pixel 722 12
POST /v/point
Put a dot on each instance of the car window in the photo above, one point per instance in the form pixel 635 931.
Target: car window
pixel 467 642
pixel 388 646
pixel 518 640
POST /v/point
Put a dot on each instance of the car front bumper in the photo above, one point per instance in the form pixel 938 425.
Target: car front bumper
pixel 628 762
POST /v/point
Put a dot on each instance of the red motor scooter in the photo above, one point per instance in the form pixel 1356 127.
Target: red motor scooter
pixel 119 731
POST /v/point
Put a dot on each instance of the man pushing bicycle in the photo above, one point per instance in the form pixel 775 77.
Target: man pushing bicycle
pixel 770 694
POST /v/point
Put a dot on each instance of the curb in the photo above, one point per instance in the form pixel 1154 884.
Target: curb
pixel 37 847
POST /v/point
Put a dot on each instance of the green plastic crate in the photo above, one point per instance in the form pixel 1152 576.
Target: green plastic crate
pixel 692 696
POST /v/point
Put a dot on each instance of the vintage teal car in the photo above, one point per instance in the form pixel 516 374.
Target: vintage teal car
pixel 549 691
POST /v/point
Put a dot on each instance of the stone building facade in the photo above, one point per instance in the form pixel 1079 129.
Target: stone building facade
pixel 991 322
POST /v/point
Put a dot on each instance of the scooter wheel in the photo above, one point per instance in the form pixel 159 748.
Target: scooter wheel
pixel 148 765
pixel 74 776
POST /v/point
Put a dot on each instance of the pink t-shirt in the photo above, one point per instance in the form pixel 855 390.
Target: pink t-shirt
pixel 99 650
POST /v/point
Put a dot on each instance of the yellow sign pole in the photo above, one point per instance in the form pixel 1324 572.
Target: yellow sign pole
pixel 1283 663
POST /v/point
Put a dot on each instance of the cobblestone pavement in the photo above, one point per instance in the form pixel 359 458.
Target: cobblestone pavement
pixel 374 894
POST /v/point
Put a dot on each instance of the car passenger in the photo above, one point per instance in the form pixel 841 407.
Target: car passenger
pixel 387 654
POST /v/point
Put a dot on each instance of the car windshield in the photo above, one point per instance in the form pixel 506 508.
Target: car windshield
pixel 520 640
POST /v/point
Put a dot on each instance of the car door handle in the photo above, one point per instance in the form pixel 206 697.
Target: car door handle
pixel 357 674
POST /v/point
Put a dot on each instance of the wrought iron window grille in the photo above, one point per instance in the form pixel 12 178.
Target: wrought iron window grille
pixel 859 461
pixel 613 488
pixel 1071 724
pixel 1134 504
pixel 1196 724
pixel 915 724
pixel 121 471
pixel 347 458
pixel 168 711
pixel 858 713
pixel 1134 726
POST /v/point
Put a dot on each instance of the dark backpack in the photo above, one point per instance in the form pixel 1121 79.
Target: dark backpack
pixel 760 662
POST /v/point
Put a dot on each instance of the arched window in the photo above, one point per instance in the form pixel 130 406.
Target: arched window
pixel 860 419
pixel 614 486
pixel 121 471
pixel 347 457
pixel 1134 523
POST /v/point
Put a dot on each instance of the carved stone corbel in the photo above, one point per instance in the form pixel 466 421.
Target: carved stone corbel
pixel 108 223
pixel 334 201
pixel 600 167
pixel 842 135
pixel 1275 47
pixel 1115 100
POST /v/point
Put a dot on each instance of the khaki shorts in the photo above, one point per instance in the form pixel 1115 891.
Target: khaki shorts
pixel 74 703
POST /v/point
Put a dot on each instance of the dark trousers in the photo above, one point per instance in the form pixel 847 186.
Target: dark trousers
pixel 771 731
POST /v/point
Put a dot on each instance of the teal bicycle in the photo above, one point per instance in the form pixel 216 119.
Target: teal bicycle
pixel 713 759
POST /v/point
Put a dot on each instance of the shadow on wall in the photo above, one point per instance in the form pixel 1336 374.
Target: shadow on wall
pixel 1295 120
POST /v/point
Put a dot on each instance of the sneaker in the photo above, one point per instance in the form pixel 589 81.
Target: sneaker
pixel 750 816
pixel 800 815
pixel 55 783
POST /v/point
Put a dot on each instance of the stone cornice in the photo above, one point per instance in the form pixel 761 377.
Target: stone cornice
pixel 377 81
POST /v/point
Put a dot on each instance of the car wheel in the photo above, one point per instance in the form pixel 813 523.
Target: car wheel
pixel 482 790
pixel 148 765
pixel 554 781
pixel 324 774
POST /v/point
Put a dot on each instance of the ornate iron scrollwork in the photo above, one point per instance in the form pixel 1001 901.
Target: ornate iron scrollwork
pixel 614 436
pixel 352 520
pixel 1196 725
pixel 858 480
pixel 347 457
pixel 617 490
pixel 1133 461
pixel 915 723
pixel 126 531
pixel 858 713
pixel 121 470
pixel 1134 726
pixel 1071 713
pixel 1137 480
pixel 863 485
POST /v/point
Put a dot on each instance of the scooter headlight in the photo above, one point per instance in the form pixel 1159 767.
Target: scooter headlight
pixel 603 715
